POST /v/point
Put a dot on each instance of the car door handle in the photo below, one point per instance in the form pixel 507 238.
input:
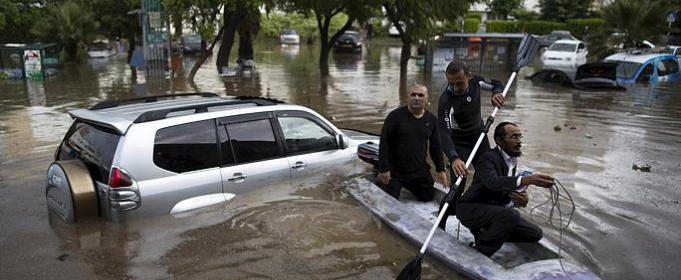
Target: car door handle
pixel 299 165
pixel 237 178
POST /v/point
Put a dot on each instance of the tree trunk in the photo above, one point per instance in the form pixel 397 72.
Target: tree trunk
pixel 326 43
pixel 177 24
pixel 248 28
pixel 131 49
pixel 204 55
pixel 232 20
pixel 404 58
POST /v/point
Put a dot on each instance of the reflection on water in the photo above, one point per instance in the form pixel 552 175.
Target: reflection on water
pixel 318 230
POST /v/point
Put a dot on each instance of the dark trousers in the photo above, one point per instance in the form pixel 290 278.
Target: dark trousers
pixel 421 186
pixel 492 225
pixel 463 147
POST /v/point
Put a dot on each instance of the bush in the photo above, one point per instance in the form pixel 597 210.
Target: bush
pixel 504 26
pixel 541 27
pixel 477 16
pixel 378 29
pixel 576 26
pixel 306 26
pixel 470 25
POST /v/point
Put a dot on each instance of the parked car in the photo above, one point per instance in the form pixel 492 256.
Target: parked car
pixel 191 43
pixel 555 35
pixel 177 153
pixel 289 36
pixel 565 53
pixel 645 66
pixel 349 41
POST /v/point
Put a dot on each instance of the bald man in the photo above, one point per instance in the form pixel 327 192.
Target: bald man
pixel 405 136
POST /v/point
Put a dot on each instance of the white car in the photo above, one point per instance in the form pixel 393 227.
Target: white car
pixel 565 53
pixel 289 36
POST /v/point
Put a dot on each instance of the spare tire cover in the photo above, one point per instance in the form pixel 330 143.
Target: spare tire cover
pixel 70 192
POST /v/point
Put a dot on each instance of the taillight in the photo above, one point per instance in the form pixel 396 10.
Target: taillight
pixel 119 178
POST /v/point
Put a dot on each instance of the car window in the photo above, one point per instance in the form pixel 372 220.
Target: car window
pixel 646 73
pixel 627 70
pixel 94 145
pixel 303 135
pixel 667 67
pixel 562 47
pixel 252 140
pixel 186 147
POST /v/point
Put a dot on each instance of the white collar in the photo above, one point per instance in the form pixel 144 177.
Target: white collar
pixel 508 159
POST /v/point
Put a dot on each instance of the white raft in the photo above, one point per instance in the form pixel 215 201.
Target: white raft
pixel 414 219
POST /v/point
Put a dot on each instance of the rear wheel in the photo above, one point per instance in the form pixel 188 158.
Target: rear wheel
pixel 70 191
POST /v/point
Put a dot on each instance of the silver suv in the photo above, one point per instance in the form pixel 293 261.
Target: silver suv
pixel 176 153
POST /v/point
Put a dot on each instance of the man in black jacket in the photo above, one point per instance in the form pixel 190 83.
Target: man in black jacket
pixel 486 209
pixel 405 136
pixel 460 121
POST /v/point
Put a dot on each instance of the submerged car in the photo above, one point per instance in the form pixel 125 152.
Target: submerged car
pixel 350 41
pixel 173 154
pixel 555 35
pixel 645 66
pixel 565 53
pixel 191 43
pixel 289 36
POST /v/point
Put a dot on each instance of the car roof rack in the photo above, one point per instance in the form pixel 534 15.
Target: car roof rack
pixel 147 99
pixel 202 108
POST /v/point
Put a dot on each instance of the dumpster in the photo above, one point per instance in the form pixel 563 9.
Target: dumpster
pixel 28 61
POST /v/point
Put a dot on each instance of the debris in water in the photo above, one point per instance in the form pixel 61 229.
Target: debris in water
pixel 573 127
pixel 588 136
pixel 557 128
pixel 642 168
pixel 62 257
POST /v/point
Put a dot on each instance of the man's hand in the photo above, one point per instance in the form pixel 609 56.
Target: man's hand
pixel 540 180
pixel 459 168
pixel 443 179
pixel 384 177
pixel 519 198
pixel 498 100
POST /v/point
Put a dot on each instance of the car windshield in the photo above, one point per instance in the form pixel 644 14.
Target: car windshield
pixel 627 70
pixel 563 47
pixel 192 39
pixel 349 36
pixel 289 32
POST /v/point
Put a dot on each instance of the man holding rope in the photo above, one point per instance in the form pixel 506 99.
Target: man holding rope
pixel 486 209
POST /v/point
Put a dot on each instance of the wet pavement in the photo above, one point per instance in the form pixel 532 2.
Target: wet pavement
pixel 627 224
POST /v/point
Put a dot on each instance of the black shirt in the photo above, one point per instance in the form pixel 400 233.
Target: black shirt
pixel 402 148
pixel 459 115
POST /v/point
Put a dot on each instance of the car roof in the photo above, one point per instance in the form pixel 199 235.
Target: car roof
pixel 636 57
pixel 120 115
pixel 567 41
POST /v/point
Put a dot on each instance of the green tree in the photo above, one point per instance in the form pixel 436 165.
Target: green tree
pixel 636 19
pixel 416 20
pixel 504 7
pixel 324 11
pixel 17 17
pixel 72 24
pixel 562 10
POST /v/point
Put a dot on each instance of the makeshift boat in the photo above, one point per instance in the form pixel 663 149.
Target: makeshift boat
pixel 414 219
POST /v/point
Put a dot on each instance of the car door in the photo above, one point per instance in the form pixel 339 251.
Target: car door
pixel 667 70
pixel 311 146
pixel 251 155
pixel 582 53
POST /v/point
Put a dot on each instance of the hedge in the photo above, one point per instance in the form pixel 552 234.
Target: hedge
pixel 504 26
pixel 470 25
pixel 576 26
pixel 541 27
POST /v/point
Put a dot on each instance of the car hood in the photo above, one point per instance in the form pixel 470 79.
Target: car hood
pixel 605 70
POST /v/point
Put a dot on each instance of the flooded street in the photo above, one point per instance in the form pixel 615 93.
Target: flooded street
pixel 627 223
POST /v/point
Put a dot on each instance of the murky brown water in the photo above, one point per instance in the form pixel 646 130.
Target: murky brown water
pixel 626 227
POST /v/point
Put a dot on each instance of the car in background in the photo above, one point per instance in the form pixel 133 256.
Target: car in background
pixel 173 154
pixel 350 41
pixel 289 36
pixel 645 66
pixel 555 35
pixel 565 53
pixel 191 43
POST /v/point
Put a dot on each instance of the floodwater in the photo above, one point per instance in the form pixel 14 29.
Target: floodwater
pixel 627 223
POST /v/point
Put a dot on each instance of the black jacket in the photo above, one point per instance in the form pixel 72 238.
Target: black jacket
pixel 490 183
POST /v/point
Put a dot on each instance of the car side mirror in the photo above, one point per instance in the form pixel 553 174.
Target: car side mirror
pixel 342 140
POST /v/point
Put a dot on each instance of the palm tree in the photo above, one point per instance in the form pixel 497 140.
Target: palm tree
pixel 72 24
pixel 637 20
